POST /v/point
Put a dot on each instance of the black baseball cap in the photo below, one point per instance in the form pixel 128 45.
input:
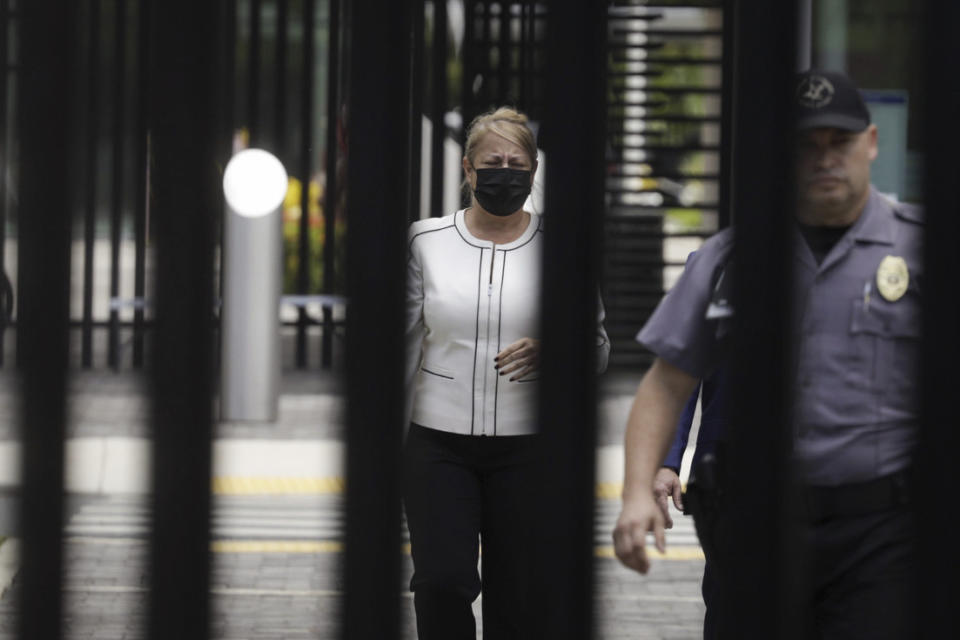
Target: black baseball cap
pixel 829 99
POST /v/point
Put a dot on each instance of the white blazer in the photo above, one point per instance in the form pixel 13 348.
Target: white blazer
pixel 467 299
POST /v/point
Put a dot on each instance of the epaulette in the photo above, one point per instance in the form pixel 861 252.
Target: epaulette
pixel 910 212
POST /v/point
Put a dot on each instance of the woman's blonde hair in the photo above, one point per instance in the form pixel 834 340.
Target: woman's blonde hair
pixel 507 123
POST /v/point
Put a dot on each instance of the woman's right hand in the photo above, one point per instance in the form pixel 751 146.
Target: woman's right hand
pixel 519 358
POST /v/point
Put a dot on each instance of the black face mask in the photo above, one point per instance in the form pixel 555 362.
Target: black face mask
pixel 502 191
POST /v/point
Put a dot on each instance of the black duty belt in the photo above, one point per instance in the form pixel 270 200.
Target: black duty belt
pixel 856 499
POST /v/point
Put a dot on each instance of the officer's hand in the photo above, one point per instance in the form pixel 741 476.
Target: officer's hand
pixel 666 484
pixel 638 516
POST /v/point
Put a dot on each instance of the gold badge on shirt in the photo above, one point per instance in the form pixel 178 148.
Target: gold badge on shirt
pixel 892 278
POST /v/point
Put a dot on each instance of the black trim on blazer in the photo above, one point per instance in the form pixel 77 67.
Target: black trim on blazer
pixel 529 240
pixel 476 343
pixel 463 237
pixel 434 373
pixel 410 244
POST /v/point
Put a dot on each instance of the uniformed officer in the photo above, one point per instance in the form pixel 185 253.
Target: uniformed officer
pixel 858 278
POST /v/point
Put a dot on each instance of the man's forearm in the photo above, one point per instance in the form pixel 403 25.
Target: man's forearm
pixel 652 423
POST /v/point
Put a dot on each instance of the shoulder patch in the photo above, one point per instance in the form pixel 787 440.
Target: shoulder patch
pixel 909 212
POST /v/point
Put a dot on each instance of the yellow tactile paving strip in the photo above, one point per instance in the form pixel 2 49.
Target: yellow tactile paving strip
pixel 275 485
pixel 277 546
pixel 329 546
pixel 609 490
pixel 280 485
pixel 673 553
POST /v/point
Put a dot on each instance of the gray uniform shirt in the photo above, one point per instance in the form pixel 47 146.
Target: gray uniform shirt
pixel 856 341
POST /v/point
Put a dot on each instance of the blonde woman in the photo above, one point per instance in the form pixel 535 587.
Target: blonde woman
pixel 473 324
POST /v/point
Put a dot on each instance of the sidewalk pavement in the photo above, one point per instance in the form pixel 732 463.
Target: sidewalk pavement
pixel 275 575
pixel 108 445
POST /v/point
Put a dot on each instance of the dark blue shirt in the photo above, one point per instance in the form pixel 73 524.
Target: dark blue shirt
pixel 713 420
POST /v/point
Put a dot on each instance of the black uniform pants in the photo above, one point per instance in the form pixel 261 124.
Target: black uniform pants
pixel 863 582
pixel 711 600
pixel 460 490
pixel 858 583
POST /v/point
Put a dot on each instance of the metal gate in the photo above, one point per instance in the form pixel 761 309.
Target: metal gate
pixel 177 100
pixel 276 93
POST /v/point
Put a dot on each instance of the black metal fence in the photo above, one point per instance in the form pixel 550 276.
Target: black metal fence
pixel 169 109
pixel 283 89
pixel 278 62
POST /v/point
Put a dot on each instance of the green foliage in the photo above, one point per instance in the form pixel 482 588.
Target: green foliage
pixel 316 242
pixel 316 235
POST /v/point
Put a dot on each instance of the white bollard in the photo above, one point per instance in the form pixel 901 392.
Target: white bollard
pixel 254 184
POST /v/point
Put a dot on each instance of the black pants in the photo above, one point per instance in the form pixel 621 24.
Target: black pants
pixel 863 581
pixel 460 490
pixel 711 600
pixel 859 581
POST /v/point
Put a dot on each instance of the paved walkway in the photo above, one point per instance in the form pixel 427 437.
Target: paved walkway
pixel 277 523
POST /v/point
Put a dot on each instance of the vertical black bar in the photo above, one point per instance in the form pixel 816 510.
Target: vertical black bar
pixel 253 88
pixel 936 466
pixel 18 355
pixel 90 178
pixel 46 98
pixel 229 75
pixel 330 193
pixel 280 96
pixel 468 60
pixel 524 69
pixel 438 107
pixel 378 61
pixel 116 205
pixel 725 186
pixel 761 500
pixel 563 573
pixel 279 133
pixel 4 156
pixel 306 166
pixel 503 58
pixel 184 92
pixel 228 122
pixel 415 144
pixel 487 65
pixel 142 168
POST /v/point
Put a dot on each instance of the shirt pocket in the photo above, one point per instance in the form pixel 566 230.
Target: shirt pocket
pixel 888 334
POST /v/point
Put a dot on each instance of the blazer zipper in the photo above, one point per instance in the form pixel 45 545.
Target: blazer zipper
pixel 493 257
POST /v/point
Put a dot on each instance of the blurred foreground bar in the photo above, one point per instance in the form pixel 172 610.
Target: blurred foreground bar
pixel 755 475
pixel 184 37
pixel 379 118
pixel 562 587
pixel 937 475
pixel 46 98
